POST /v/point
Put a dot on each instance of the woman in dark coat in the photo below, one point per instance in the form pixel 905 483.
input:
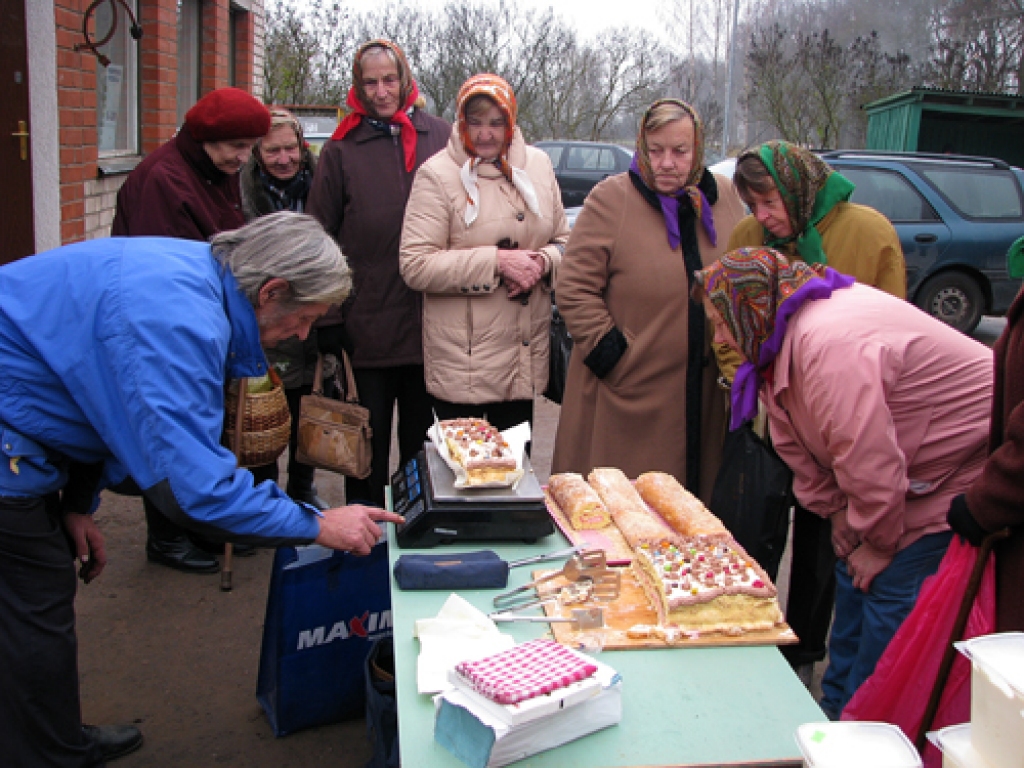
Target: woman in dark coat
pixel 188 188
pixel 359 194
pixel 277 178
pixel 996 500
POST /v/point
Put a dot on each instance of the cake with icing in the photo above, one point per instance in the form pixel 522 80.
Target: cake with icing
pixel 707 585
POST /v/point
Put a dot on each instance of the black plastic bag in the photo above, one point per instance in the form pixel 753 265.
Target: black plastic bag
pixel 753 496
pixel 558 356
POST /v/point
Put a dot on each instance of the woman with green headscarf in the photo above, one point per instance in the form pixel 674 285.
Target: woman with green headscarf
pixel 800 207
pixel 880 410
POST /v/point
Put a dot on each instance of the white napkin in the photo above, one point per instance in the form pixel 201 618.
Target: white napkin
pixel 458 633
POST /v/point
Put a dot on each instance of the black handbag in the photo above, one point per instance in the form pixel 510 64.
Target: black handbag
pixel 753 496
pixel 558 355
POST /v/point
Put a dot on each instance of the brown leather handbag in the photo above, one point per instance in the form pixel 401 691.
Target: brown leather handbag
pixel 335 434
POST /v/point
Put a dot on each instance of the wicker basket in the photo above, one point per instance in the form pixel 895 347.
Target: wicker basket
pixel 266 422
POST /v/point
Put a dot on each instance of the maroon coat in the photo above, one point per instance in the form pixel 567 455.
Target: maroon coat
pixel 359 194
pixel 178 192
pixel 997 497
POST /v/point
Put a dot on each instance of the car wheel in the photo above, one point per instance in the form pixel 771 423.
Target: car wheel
pixel 954 298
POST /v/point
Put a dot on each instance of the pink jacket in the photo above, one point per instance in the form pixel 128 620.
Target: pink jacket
pixel 881 410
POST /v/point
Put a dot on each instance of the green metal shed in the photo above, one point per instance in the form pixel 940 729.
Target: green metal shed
pixel 933 120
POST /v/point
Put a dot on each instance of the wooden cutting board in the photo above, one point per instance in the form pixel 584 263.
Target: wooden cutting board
pixel 617 551
pixel 633 607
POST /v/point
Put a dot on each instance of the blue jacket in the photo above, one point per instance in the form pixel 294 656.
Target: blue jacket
pixel 117 351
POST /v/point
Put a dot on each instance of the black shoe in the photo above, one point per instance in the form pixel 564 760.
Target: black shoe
pixel 113 741
pixel 217 547
pixel 179 553
pixel 308 496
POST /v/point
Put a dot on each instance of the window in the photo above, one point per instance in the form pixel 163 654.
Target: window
pixel 890 194
pixel 555 153
pixel 189 60
pixel 117 101
pixel 977 193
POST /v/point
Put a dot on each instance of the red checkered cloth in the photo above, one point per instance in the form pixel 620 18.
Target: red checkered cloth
pixel 525 671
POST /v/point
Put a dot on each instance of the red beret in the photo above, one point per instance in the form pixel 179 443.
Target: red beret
pixel 226 114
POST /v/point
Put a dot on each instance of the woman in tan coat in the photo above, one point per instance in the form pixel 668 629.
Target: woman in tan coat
pixel 483 237
pixel 641 392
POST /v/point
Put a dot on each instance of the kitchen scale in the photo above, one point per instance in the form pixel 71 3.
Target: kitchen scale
pixel 436 512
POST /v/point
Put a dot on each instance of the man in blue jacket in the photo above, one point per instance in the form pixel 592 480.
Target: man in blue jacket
pixel 114 355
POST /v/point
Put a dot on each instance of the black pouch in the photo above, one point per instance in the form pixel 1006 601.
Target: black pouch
pixel 468 570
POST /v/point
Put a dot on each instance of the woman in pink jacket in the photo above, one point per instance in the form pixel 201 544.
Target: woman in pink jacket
pixel 882 416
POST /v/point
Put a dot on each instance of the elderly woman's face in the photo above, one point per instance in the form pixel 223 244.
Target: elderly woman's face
pixel 281 153
pixel 670 150
pixel 230 156
pixel 487 131
pixel 381 83
pixel 770 212
pixel 723 334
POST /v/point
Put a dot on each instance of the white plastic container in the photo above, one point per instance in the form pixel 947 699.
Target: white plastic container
pixel 855 745
pixel 954 742
pixel 997 697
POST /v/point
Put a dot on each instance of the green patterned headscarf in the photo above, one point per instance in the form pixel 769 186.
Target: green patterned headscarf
pixel 1015 259
pixel 809 189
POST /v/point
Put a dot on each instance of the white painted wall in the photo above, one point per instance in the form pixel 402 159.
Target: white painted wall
pixel 44 121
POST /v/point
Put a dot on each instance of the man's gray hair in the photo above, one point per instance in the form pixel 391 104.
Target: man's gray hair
pixel 291 246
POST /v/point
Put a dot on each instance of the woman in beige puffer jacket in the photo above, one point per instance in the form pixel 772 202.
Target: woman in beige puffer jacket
pixel 483 237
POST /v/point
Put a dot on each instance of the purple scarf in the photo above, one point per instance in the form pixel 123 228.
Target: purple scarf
pixel 670 209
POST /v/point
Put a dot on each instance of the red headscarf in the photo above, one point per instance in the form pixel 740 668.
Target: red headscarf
pixel 407 95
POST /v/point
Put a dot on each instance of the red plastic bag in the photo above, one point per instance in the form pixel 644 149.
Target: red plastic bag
pixel 899 689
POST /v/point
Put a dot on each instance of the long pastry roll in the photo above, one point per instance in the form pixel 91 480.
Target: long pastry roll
pixel 636 522
pixel 680 508
pixel 578 501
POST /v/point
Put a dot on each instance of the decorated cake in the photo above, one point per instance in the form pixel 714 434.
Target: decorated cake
pixel 479 449
pixel 578 501
pixel 707 585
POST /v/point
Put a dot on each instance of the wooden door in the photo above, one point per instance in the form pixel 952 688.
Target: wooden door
pixel 16 233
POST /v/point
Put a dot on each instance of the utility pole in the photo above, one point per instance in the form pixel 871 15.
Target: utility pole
pixel 728 86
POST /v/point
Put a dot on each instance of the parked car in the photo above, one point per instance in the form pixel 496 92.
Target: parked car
pixel 317 129
pixel 956 217
pixel 580 165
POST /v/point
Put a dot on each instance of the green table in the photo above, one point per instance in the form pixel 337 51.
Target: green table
pixel 681 706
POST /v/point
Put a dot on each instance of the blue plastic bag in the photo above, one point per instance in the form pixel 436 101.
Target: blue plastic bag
pixel 324 612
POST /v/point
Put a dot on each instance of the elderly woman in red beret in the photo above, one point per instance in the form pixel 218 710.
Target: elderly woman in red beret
pixel 188 188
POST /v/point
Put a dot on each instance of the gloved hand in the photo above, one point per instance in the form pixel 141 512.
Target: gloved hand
pixel 963 523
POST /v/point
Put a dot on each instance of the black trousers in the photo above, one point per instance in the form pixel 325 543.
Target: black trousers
pixel 40 713
pixel 379 390
pixel 812 587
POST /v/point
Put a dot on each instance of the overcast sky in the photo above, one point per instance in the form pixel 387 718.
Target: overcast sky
pixel 592 16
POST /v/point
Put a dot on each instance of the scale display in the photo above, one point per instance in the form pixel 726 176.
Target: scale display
pixel 436 512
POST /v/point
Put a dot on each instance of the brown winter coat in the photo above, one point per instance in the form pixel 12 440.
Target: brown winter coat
pixel 996 499
pixel 619 272
pixel 359 194
pixel 478 345
pixel 178 192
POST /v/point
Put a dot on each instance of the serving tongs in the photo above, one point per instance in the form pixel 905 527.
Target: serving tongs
pixel 581 618
pixel 601 587
pixel 590 563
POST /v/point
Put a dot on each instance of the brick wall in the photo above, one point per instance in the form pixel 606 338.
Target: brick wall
pixel 87 198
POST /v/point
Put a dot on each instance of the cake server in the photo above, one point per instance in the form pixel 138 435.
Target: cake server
pixel 544 558
pixel 581 618
pixel 589 562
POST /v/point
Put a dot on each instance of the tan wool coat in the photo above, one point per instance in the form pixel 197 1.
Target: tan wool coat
pixel 619 271
pixel 478 345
